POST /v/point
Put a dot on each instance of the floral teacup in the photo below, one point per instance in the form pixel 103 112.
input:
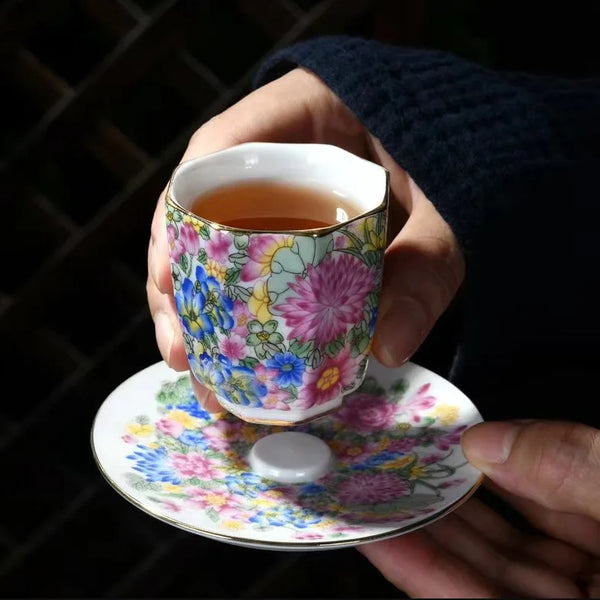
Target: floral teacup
pixel 278 324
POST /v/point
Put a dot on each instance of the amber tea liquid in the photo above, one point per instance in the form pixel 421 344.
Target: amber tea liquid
pixel 273 206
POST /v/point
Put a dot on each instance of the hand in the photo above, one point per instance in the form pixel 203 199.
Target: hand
pixel 423 264
pixel 548 471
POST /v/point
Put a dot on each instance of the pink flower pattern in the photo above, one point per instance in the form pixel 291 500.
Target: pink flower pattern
pixel 271 297
pixel 356 454
pixel 234 347
pixel 309 536
pixel 327 382
pixel 170 427
pixel 276 396
pixel 241 317
pixel 216 438
pixel 316 316
pixel 449 439
pixel 170 506
pixel 187 242
pixel 218 246
pixel 372 488
pixel 220 501
pixel 261 250
pixel 370 448
pixel 330 299
pixel 195 465
pixel 403 445
pixel 366 413
pixel 418 402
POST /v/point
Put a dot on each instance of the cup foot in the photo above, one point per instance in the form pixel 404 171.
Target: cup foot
pixel 291 457
pixel 277 417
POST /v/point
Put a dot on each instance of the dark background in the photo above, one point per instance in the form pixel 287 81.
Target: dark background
pixel 99 98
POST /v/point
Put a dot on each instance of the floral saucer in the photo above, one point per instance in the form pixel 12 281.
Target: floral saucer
pixel 397 462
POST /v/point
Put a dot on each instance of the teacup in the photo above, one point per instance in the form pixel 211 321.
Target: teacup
pixel 278 324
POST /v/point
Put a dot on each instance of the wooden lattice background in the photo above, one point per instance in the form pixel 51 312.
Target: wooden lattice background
pixel 99 99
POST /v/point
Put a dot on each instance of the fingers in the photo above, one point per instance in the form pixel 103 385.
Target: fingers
pixel 489 523
pixel 159 268
pixel 474 551
pixel 424 268
pixel 170 342
pixel 159 290
pixel 416 564
pixel 297 107
pixel 166 326
pixel 554 464
pixel 578 530
pixel 511 570
pixel 560 556
pixel 205 397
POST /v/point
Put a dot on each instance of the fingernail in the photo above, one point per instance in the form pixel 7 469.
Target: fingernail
pixel 401 330
pixel 164 335
pixel 153 265
pixel 489 443
pixel 205 397
pixel 200 391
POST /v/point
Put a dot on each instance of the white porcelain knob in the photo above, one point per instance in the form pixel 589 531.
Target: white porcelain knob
pixel 290 457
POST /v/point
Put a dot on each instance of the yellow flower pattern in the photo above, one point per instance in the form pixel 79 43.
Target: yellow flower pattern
pixel 214 269
pixel 276 494
pixel 199 462
pixel 399 463
pixel 266 503
pixel 184 418
pixel 215 500
pixel 259 302
pixel 173 489
pixel 328 378
pixel 446 413
pixel 232 525
pixel 140 429
pixel 193 221
pixel 418 472
pixel 354 451
pixel 375 241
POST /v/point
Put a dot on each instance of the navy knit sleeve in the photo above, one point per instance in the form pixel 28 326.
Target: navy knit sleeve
pixel 511 161
pixel 463 132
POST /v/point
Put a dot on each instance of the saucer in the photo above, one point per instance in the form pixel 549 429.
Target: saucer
pixel 397 461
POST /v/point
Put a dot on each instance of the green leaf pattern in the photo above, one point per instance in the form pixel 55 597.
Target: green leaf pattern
pixel 393 462
pixel 259 274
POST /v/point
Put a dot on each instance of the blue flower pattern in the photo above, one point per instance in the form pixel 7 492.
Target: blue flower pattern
pixel 154 464
pixel 237 384
pixel 203 304
pixel 312 500
pixel 289 369
pixel 194 438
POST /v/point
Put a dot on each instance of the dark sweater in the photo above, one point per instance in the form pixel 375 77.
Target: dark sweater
pixel 511 162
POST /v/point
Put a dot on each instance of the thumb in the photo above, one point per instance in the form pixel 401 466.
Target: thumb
pixel 555 464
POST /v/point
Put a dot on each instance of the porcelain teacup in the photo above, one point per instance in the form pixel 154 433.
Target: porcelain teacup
pixel 278 324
